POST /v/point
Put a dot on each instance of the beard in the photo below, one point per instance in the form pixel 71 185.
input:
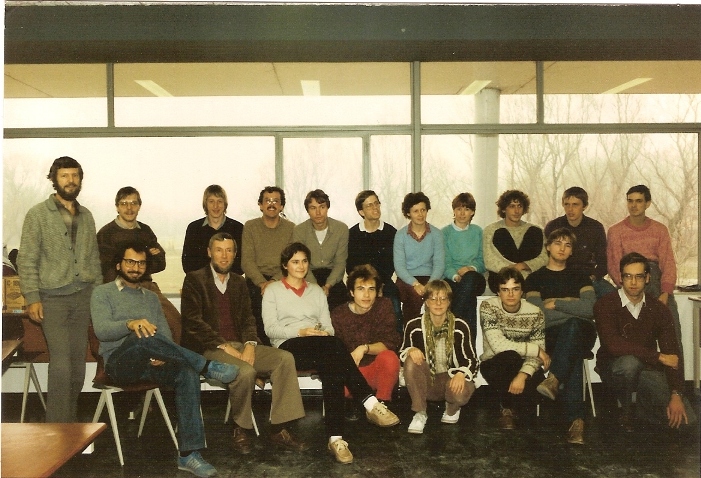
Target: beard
pixel 128 278
pixel 65 195
pixel 222 270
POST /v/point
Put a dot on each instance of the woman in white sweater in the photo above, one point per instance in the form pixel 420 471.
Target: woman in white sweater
pixel 296 318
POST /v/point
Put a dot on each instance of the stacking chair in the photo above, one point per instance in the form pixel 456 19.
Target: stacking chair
pixel 107 389
pixel 34 349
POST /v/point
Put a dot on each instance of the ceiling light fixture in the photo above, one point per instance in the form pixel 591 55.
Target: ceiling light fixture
pixel 475 87
pixel 627 85
pixel 153 87
pixel 311 87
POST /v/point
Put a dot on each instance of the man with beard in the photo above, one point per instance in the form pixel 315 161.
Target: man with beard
pixel 136 344
pixel 264 238
pixel 219 324
pixel 59 264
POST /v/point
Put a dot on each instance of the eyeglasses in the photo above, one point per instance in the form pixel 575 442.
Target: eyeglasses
pixel 630 277
pixel 372 205
pixel 272 201
pixel 505 290
pixel 128 203
pixel 132 263
pixel 438 299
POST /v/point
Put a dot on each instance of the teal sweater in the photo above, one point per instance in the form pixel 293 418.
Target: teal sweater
pixel 462 248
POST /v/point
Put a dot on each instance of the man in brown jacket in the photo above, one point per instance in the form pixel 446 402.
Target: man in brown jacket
pixel 219 324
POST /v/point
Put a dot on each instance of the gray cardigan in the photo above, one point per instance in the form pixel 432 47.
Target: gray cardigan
pixel 332 254
pixel 47 261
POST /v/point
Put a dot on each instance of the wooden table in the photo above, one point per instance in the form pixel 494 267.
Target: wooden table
pixel 696 302
pixel 9 347
pixel 39 449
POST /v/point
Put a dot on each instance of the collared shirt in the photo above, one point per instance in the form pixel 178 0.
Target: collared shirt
pixel 455 226
pixel 634 309
pixel 361 226
pixel 299 292
pixel 411 233
pixel 206 222
pixel 221 285
pixel 70 220
pixel 119 222
pixel 121 285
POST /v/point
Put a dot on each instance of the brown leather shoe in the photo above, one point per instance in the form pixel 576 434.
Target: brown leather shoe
pixel 285 439
pixel 575 434
pixel 506 420
pixel 626 421
pixel 549 387
pixel 242 442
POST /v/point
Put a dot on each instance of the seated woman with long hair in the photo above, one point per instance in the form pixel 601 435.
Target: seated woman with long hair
pixel 439 360
pixel 296 318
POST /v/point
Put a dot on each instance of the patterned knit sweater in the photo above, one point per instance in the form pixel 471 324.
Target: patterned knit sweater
pixel 522 331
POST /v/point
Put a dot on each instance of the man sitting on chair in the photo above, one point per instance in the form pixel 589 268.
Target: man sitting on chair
pixel 136 345
pixel 566 297
pixel 219 324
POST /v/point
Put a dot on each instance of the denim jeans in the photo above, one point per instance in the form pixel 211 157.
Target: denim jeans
pixel 464 304
pixel 568 344
pixel 131 363
pixel 390 290
pixel 602 287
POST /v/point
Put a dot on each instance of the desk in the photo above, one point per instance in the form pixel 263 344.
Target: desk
pixel 696 303
pixel 9 347
pixel 39 449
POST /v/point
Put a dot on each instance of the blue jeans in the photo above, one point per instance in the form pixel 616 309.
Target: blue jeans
pixel 627 374
pixel 602 287
pixel 389 290
pixel 464 303
pixel 568 344
pixel 131 363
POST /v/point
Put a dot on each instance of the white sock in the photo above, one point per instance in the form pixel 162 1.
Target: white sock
pixel 334 438
pixel 421 413
pixel 370 402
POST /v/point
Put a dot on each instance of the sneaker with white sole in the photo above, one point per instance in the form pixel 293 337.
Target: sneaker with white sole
pixel 450 418
pixel 195 464
pixel 418 423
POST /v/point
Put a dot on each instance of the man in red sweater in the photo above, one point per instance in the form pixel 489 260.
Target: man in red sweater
pixel 632 326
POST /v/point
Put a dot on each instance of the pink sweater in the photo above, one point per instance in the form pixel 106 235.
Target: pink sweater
pixel 651 240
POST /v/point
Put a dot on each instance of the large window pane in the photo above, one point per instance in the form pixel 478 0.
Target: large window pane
pixel 170 174
pixel 623 92
pixel 606 166
pixel 55 96
pixel 390 174
pixel 261 94
pixel 469 93
pixel 332 164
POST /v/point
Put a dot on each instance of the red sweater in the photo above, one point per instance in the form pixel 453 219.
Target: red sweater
pixel 621 334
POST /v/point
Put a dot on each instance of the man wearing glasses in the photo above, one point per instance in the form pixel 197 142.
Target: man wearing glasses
pixel 124 228
pixel 136 344
pixel 632 325
pixel 371 242
pixel 264 238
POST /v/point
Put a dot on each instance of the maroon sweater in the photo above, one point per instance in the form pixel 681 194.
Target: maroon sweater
pixel 377 325
pixel 621 334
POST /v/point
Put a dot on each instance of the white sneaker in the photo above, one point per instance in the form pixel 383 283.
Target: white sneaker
pixel 450 418
pixel 418 423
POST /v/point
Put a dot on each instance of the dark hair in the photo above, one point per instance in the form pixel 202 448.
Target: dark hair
pixel 412 199
pixel 126 191
pixel 634 258
pixel 642 189
pixel 364 273
pixel 289 251
pixel 64 162
pixel 319 196
pixel 138 246
pixel 509 196
pixel 362 196
pixel 270 190
pixel 465 200
pixel 214 190
pixel 577 192
pixel 508 273
pixel 221 236
pixel 435 286
pixel 559 233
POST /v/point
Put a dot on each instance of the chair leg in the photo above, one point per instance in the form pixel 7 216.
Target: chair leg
pixel 164 412
pixel 25 391
pixel 228 410
pixel 587 379
pixel 106 399
pixel 37 387
pixel 144 411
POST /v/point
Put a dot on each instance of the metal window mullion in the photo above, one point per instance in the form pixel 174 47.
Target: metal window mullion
pixel 110 95
pixel 415 79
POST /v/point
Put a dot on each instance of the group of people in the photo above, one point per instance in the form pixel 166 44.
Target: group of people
pixel 292 311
